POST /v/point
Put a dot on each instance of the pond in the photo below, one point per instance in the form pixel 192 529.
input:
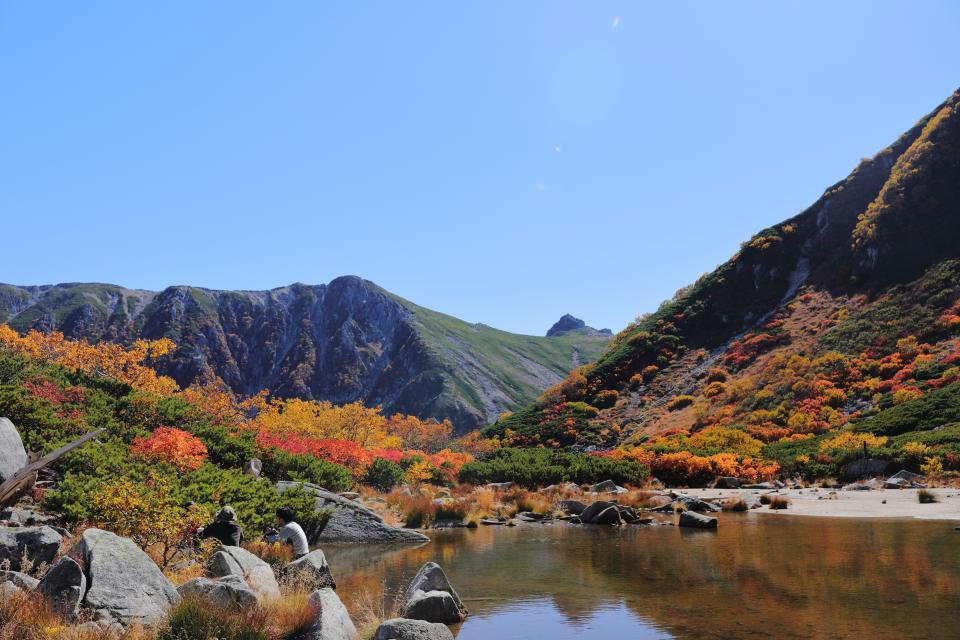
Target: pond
pixel 758 576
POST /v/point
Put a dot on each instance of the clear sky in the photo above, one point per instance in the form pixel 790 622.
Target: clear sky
pixel 504 162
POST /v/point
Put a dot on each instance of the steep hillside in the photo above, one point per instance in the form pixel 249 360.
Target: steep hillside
pixel 824 320
pixel 345 341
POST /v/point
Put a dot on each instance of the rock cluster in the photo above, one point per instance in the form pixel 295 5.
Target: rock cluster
pixel 431 597
pixel 351 521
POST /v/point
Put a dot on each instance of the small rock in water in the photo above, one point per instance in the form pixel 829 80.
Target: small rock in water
pixel 432 598
pixel 697 520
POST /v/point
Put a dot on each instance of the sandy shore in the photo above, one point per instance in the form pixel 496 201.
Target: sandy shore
pixel 883 503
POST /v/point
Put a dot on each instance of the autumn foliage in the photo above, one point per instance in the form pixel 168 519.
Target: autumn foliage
pixel 181 449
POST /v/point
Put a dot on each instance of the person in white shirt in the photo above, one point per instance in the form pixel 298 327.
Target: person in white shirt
pixel 292 533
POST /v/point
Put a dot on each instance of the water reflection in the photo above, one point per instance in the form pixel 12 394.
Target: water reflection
pixel 759 576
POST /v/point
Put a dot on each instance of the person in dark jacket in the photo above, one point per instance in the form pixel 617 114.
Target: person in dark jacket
pixel 225 528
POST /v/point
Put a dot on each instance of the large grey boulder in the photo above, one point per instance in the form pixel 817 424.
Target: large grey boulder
pixel 251 569
pixel 20 580
pixel 124 584
pixel 331 619
pixel 37 544
pixel 351 521
pixel 13 456
pixel 431 597
pixel 63 587
pixel 904 479
pixel 697 520
pixel 311 568
pixel 406 629
pixel 229 592
pixel 25 517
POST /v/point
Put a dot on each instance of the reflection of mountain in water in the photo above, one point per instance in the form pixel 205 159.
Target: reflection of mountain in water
pixel 759 576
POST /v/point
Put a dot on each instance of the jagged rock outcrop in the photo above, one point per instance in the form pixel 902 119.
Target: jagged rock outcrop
pixel 569 324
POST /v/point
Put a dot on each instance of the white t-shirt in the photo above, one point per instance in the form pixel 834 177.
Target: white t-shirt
pixel 293 533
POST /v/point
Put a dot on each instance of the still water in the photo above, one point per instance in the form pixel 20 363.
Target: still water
pixel 758 576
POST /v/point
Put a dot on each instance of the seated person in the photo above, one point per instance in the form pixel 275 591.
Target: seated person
pixel 292 533
pixel 225 528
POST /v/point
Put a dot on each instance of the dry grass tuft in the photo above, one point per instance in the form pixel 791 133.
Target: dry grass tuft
pixel 926 497
pixel 779 502
pixel 735 504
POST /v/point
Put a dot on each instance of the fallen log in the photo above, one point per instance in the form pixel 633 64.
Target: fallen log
pixel 12 486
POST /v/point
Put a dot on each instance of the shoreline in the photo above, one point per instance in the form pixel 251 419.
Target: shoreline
pixel 838 503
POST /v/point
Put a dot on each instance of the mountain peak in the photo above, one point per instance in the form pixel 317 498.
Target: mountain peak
pixel 568 323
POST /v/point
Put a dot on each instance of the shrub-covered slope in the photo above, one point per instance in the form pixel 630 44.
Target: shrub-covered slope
pixel 835 315
pixel 345 341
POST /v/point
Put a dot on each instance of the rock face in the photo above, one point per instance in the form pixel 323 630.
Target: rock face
pixel 697 520
pixel 229 592
pixel 432 598
pixel 406 629
pixel 64 587
pixel 317 342
pixel 124 584
pixel 235 561
pixel 13 456
pixel 332 620
pixel 314 568
pixel 40 544
pixel 351 521
pixel 693 503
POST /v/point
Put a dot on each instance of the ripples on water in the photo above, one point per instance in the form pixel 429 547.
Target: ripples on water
pixel 759 576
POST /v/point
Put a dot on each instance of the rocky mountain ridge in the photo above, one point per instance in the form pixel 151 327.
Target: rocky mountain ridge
pixel 343 341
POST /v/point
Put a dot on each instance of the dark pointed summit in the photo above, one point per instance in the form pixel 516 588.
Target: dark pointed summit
pixel 569 323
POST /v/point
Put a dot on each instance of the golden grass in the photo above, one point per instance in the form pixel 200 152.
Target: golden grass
pixel 735 504
pixel 779 502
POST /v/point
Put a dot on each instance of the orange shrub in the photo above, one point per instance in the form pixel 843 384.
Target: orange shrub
pixel 181 449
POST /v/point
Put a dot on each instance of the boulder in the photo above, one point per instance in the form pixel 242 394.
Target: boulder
pixel 331 619
pixel 727 482
pixel 314 568
pixel 228 592
pixel 904 479
pixel 38 544
pixel 64 586
pixel 572 507
pixel 697 520
pixel 607 486
pixel 591 512
pixel 253 467
pixel 692 503
pixel 610 515
pixel 767 486
pixel 868 485
pixel 406 629
pixel 24 517
pixel 866 467
pixel 239 562
pixel 499 486
pixel 13 456
pixel 20 580
pixel 124 584
pixel 351 521
pixel 431 597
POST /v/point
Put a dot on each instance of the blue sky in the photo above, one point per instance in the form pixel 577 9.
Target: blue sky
pixel 504 162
